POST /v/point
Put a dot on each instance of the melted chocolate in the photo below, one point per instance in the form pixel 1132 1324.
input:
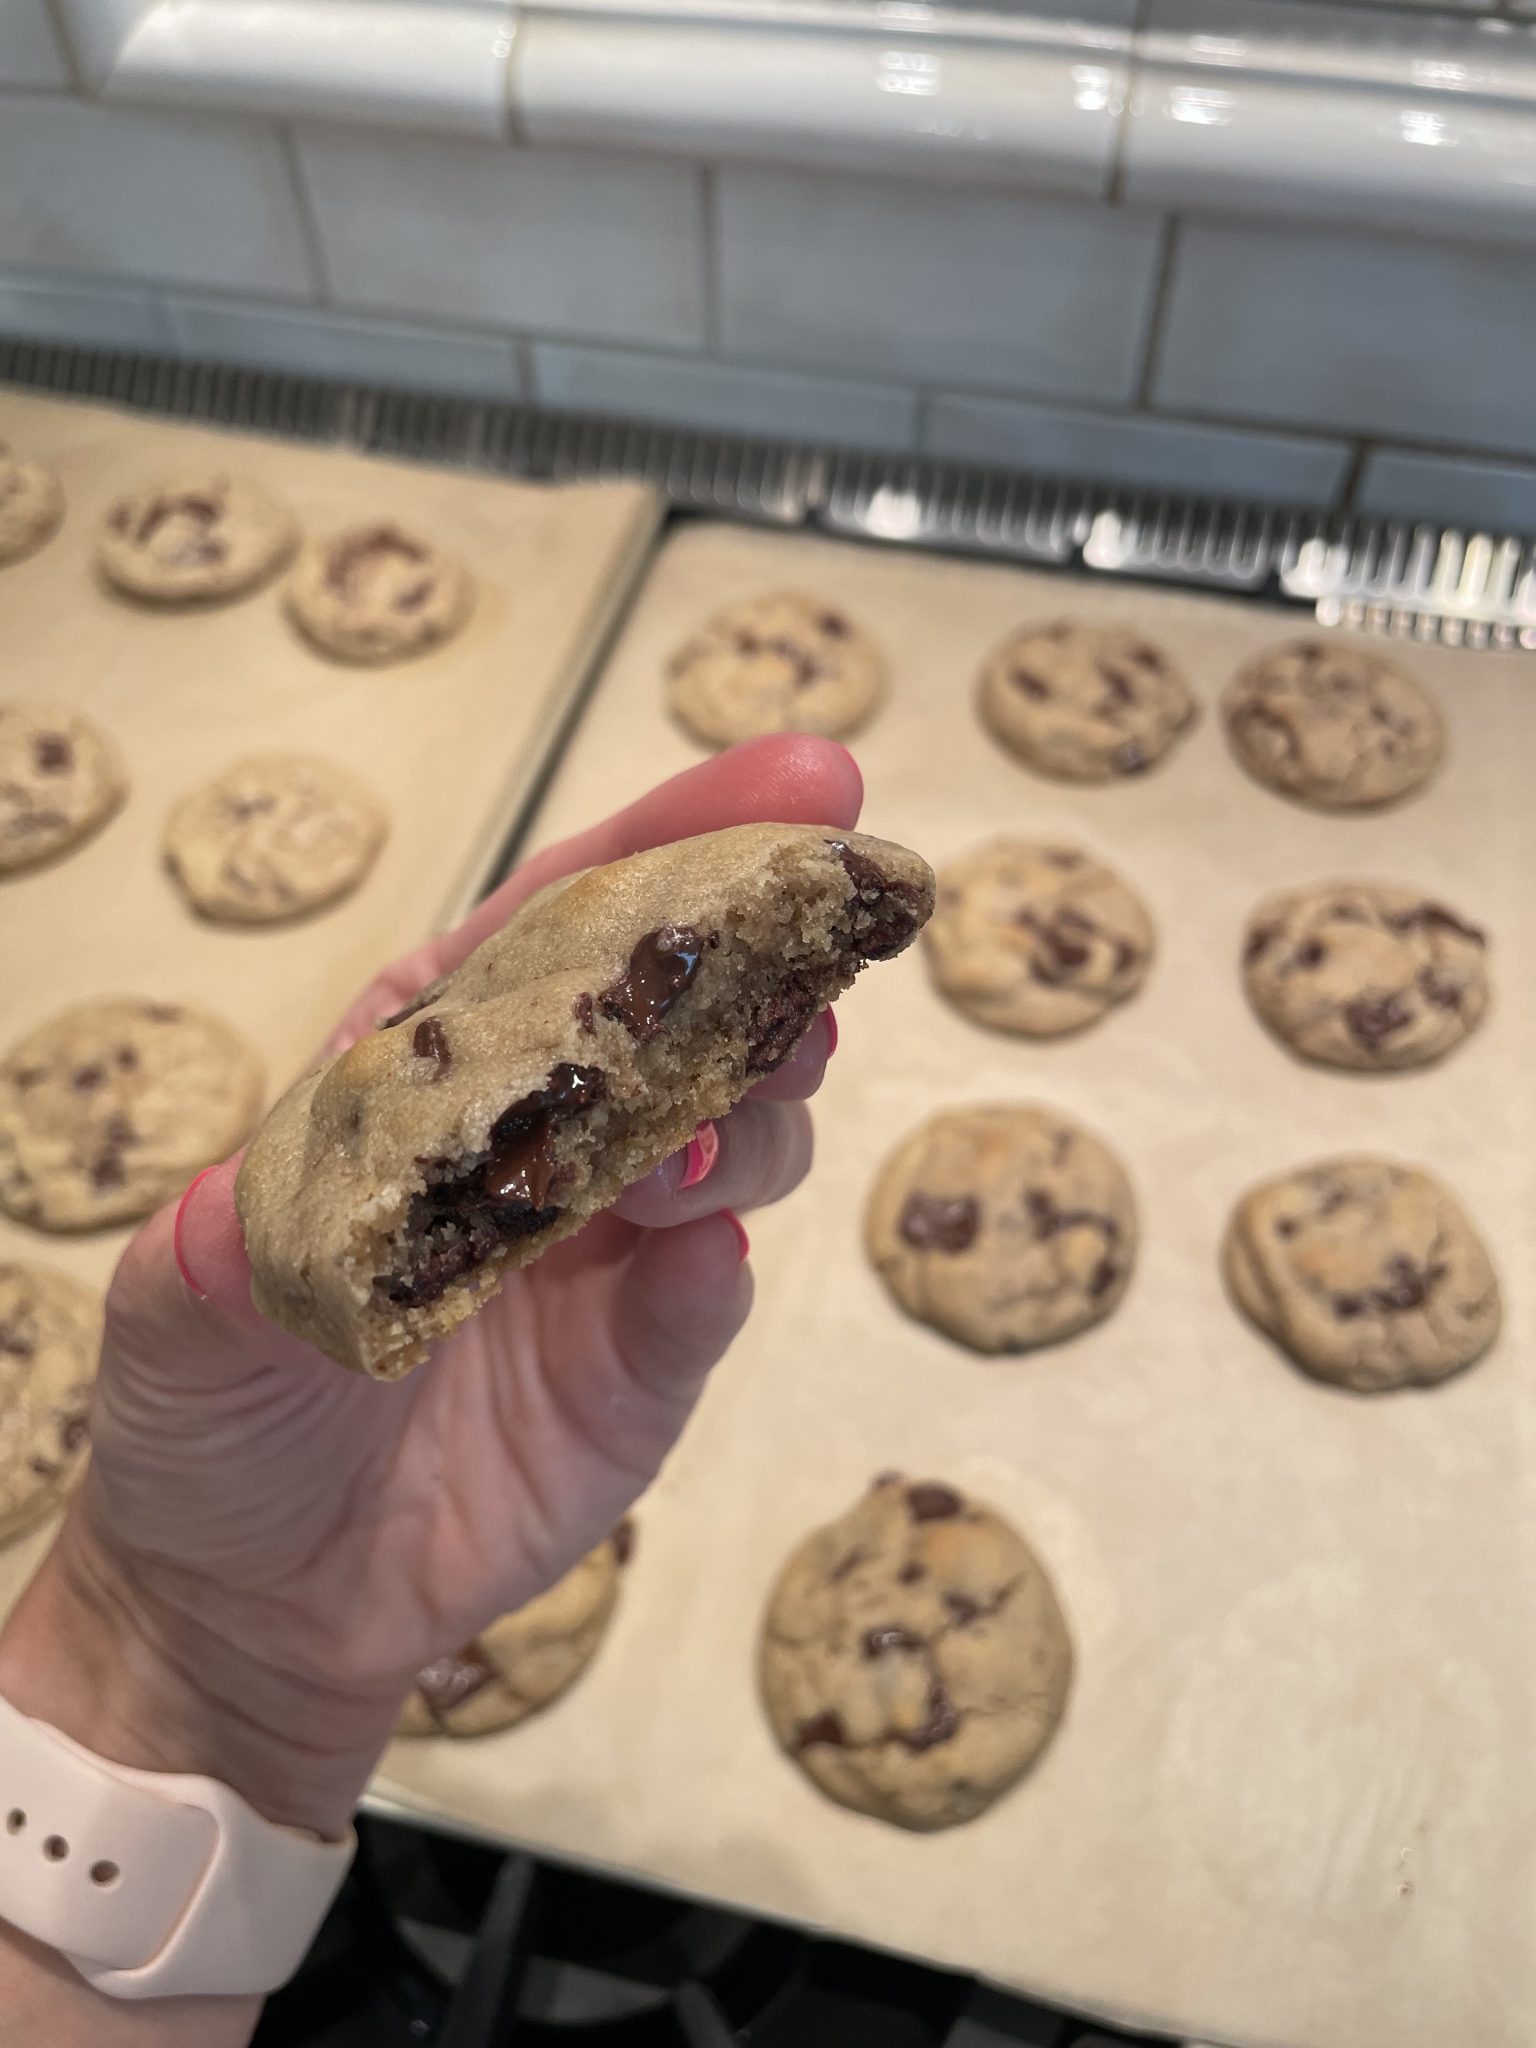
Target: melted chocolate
pixel 933 1503
pixel 891 903
pixel 1032 685
pixel 429 1041
pixel 962 1607
pixel 943 1720
pixel 940 1223
pixel 1435 917
pixel 462 1218
pixel 53 753
pixel 449 1681
pixel 780 1021
pixel 1312 954
pixel 1373 1020
pixel 661 967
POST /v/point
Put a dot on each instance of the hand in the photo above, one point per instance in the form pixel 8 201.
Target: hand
pixel 267 1547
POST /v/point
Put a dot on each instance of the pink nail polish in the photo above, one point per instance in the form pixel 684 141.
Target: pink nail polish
pixel 699 1159
pixel 181 1209
pixel 831 1017
pixel 742 1238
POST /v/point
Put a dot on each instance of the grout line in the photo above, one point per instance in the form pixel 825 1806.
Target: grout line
pixel 1162 286
pixel 709 230
pixel 1113 191
pixel 1354 470
pixel 309 225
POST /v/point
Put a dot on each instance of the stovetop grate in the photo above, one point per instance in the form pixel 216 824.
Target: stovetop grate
pixel 438 1941
pixel 1405 581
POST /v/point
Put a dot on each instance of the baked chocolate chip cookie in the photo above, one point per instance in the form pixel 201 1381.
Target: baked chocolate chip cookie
pixel 915 1661
pixel 526 1659
pixel 378 593
pixel 109 1108
pixel 1367 1272
pixel 31 506
pixel 272 838
pixel 1037 937
pixel 781 663
pixel 60 779
pixel 1368 975
pixel 1333 724
pixel 195 539
pixel 50 1338
pixel 1085 703
pixel 392 1188
pixel 1005 1225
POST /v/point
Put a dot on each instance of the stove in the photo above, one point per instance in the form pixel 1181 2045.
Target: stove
pixel 434 1940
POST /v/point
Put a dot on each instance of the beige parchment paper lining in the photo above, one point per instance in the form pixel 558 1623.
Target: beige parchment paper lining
pixel 1291 1805
pixel 451 742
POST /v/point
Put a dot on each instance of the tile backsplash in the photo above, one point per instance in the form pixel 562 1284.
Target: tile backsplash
pixel 1118 342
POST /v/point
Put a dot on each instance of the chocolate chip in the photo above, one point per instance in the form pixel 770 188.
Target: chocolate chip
pixel 73 1431
pixel 661 968
pixel 1102 1278
pixel 623 1540
pixel 1406 1286
pixel 893 902
pixel 84 1079
pixel 473 1207
pixel 1259 940
pixel 850 1562
pixel 940 1223
pixel 44 1468
pixel 1347 1306
pixel 583 1011
pixel 13 1344
pixel 161 1013
pixel 1435 917
pixel 1117 682
pixel 912 1574
pixel 448 1681
pixel 942 1723
pixel 1373 1019
pixel 28 1077
pixel 1032 685
pixel 413 599
pixel 833 624
pixel 1445 995
pixel 932 1503
pixel 779 1023
pixel 827 1728
pixel 127 1059
pixel 1130 759
pixel 1286 1226
pixel 1312 954
pixel 962 1607
pixel 890 1635
pixel 53 753
pixel 429 1041
pixel 746 643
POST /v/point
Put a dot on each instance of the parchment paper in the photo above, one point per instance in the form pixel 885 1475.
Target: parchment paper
pixel 1291 1805
pixel 450 742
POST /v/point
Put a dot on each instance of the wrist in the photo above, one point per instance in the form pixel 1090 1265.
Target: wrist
pixel 142 1681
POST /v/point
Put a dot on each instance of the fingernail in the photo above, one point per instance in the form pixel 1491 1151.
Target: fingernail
pixel 742 1238
pixel 181 1261
pixel 699 1159
pixel 831 1017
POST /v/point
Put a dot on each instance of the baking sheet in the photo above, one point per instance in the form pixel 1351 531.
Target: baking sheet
pixel 450 742
pixel 1291 1805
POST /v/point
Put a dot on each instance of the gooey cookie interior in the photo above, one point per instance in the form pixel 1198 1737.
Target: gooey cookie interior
pixel 571 1053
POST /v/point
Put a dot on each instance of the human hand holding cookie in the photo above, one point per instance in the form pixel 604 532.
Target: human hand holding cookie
pixel 259 1526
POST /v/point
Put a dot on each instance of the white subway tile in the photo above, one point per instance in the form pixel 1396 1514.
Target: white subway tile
pixel 728 396
pixel 585 245
pixel 1350 331
pixel 1493 497
pixel 330 345
pixel 906 280
pixel 29 52
pixel 167 196
pixel 1148 454
pixel 42 308
pixel 1335 113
